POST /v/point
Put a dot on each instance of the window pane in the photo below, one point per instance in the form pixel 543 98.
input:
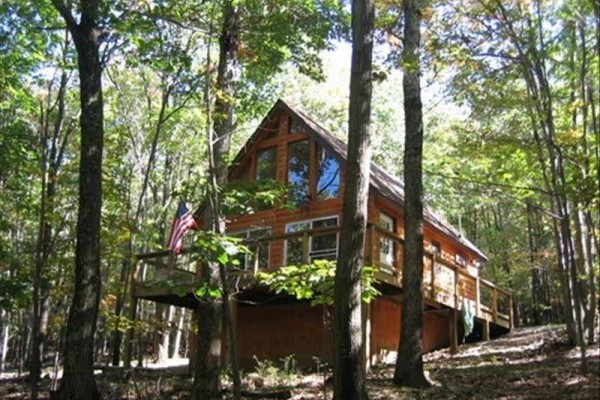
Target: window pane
pixel 294 246
pixel 328 180
pixel 322 223
pixel 298 164
pixel 298 227
pixel 324 247
pixel 266 163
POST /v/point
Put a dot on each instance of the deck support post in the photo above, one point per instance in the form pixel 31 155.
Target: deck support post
pixel 486 329
pixel 131 315
pixel 193 342
pixel 453 331
pixel 130 337
pixel 454 317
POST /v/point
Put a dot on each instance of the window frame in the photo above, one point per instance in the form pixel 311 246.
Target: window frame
pixel 310 242
pixel 391 254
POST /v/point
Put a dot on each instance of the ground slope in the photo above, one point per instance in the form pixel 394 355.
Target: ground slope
pixel 529 363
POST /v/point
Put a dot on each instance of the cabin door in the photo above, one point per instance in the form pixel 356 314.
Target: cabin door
pixel 386 244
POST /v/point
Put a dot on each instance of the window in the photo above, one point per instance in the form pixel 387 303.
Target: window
pixel 328 178
pixel 298 171
pixel 386 244
pixel 266 163
pixel 295 127
pixel 460 260
pixel 322 246
pixel 259 257
pixel 294 247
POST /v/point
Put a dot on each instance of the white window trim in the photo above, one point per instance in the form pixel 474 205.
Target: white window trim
pixel 310 222
pixel 389 218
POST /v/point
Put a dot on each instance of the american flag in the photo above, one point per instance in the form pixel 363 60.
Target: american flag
pixel 184 221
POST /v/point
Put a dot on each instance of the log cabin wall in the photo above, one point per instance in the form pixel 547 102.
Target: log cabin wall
pixel 276 331
pixel 385 331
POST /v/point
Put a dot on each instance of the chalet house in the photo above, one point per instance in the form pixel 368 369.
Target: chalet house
pixel 291 148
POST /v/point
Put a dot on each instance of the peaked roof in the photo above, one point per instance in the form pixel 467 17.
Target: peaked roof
pixel 386 184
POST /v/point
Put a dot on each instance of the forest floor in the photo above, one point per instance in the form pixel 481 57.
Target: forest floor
pixel 529 363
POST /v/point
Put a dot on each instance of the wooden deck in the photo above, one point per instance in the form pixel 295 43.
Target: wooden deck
pixel 446 285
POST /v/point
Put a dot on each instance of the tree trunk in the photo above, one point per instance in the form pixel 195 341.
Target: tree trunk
pixel 165 314
pixel 78 377
pixel 208 361
pixel 51 162
pixel 409 364
pixel 178 333
pixel 349 377
pixel 4 333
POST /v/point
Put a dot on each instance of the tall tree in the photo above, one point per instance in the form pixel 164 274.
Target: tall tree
pixel 349 346
pixel 512 52
pixel 78 377
pixel 54 136
pixel 208 361
pixel 409 364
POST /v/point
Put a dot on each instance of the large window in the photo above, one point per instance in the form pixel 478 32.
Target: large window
pixel 266 163
pixel 328 178
pixel 322 246
pixel 298 171
pixel 259 258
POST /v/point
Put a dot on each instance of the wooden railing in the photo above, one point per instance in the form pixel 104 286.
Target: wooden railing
pixel 444 281
pixel 158 266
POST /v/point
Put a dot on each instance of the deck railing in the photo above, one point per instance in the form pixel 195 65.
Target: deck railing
pixel 444 281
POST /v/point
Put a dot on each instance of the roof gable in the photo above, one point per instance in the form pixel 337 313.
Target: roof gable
pixel 384 183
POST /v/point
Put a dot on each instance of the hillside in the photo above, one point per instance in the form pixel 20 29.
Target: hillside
pixel 529 363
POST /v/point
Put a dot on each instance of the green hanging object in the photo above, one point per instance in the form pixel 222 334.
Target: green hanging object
pixel 468 318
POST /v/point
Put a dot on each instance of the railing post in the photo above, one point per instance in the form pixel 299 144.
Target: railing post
pixel 305 247
pixel 433 257
pixel 170 262
pixel 510 312
pixel 495 305
pixel 477 297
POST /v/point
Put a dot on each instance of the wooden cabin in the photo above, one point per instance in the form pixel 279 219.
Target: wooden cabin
pixel 291 148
